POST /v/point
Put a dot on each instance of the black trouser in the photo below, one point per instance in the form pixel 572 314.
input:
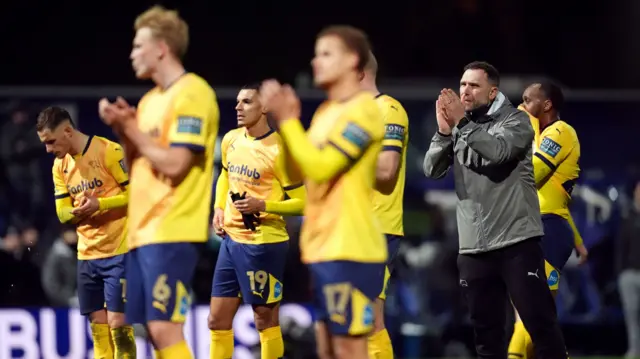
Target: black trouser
pixel 489 279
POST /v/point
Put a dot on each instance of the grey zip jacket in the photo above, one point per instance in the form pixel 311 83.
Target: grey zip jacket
pixel 491 157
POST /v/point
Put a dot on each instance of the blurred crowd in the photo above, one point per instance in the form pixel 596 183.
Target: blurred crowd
pixel 38 255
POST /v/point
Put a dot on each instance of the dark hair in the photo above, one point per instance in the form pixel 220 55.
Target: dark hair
pixel 553 92
pixel 492 73
pixel 52 117
pixel 353 38
pixel 252 86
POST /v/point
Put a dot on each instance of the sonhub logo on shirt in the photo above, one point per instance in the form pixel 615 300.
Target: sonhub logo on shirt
pixel 85 185
pixel 243 170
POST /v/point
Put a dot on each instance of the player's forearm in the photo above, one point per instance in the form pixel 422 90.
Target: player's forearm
pixel 387 171
pixel 541 171
pixel 288 207
pixel 171 162
pixel 64 213
pixel 319 165
pixel 117 201
pixel 439 156
pixel 294 206
pixel 577 238
pixel 516 137
pixel 222 189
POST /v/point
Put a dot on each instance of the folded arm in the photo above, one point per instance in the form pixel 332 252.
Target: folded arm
pixel 64 206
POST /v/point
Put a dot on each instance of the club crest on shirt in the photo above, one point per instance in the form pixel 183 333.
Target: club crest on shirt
pixel 553 278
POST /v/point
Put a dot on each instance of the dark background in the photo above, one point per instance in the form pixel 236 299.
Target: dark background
pixel 591 48
pixel 582 44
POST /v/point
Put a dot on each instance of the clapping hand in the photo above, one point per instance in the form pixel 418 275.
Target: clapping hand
pixel 444 126
pixel 281 101
pixel 117 114
pixel 88 206
pixel 452 106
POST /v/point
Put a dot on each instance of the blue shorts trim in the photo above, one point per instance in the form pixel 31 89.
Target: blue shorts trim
pixel 557 242
pixel 159 282
pixel 253 271
pixel 344 292
pixel 101 284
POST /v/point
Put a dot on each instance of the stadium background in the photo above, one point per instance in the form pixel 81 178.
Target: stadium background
pixel 73 53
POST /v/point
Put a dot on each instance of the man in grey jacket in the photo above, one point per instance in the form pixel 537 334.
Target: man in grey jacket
pixel 489 144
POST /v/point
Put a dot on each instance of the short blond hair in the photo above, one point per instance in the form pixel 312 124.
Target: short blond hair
pixel 166 25
pixel 372 64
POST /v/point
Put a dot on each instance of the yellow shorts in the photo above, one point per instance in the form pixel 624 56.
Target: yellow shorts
pixel 553 276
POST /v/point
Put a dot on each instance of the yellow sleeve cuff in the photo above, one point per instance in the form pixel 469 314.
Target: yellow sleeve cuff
pixel 117 201
pixel 294 206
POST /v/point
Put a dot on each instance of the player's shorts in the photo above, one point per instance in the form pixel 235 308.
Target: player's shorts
pixel 393 244
pixel 101 284
pixel 159 282
pixel 253 271
pixel 557 246
pixel 343 294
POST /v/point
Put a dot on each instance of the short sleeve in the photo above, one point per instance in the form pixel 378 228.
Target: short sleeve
pixel 356 130
pixel 115 163
pixel 396 125
pixel 59 186
pixel 191 122
pixel 555 145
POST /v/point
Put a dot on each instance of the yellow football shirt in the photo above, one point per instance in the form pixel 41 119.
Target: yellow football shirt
pixel 339 220
pixel 185 114
pixel 388 208
pixel 99 171
pixel 555 165
pixel 255 166
pixel 557 147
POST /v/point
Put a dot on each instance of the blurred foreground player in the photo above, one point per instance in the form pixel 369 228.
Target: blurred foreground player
pixel 488 143
pixel 340 241
pixel 169 143
pixel 253 255
pixel 556 169
pixel 91 180
pixel 388 199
